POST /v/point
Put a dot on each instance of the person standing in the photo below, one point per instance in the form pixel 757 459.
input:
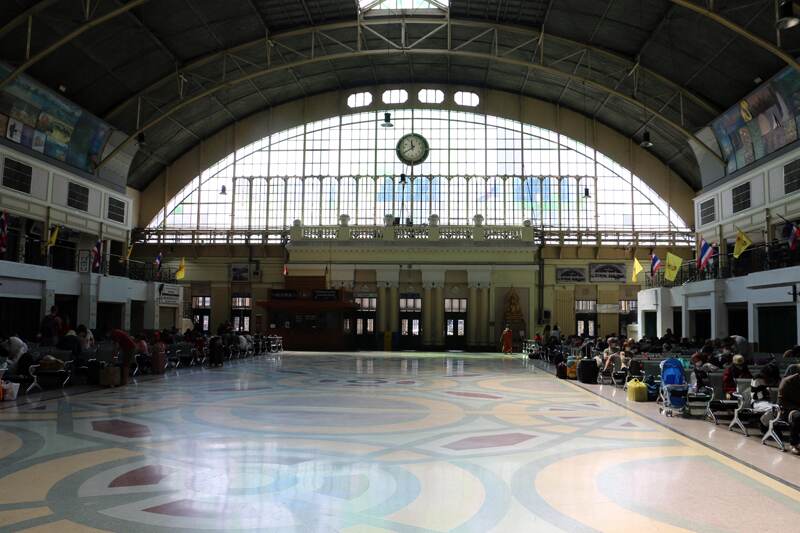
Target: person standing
pixel 126 347
pixel 50 328
pixel 507 339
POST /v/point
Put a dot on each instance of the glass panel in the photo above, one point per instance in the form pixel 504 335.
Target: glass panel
pixel 450 327
pixel 475 166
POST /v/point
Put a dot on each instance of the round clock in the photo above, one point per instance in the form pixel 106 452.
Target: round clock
pixel 412 149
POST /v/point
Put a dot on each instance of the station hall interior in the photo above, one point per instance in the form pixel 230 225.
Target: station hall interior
pixel 399 265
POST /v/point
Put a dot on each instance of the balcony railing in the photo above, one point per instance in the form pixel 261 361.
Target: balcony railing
pixel 511 234
pixel 759 258
pixel 72 259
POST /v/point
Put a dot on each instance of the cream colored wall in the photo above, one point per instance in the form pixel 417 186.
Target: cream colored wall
pixel 507 105
pixel 512 266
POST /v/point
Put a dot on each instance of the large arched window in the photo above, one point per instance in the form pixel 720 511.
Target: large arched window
pixel 506 171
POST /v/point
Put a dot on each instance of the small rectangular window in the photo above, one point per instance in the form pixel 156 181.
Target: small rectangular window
pixel 451 329
pixel 240 302
pixel 627 306
pixel 415 327
pixel 17 176
pixel 201 302
pixel 370 325
pixel 707 212
pixel 741 197
pixel 585 306
pixel 359 326
pixel 404 329
pixel 791 177
pixel 78 196
pixel 116 210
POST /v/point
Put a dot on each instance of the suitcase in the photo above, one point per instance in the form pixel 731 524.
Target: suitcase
pixel 637 391
pixel 572 369
pixel 587 371
pixel 561 371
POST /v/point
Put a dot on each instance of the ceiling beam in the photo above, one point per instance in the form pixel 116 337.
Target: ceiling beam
pixel 742 32
pixel 533 35
pixel 77 32
pixel 461 54
pixel 25 15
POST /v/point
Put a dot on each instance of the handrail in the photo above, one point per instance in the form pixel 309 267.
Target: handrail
pixel 757 258
pixel 517 234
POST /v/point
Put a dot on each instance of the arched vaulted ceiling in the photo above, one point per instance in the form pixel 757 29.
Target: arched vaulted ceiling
pixel 180 70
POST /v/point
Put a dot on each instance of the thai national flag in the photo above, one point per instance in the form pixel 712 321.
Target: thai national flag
pixel 158 262
pixel 655 265
pixel 97 255
pixel 794 237
pixel 706 252
pixel 3 232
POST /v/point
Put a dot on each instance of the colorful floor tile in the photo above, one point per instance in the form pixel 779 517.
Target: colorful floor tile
pixel 368 442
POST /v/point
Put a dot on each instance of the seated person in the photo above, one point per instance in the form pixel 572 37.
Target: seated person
pixel 85 337
pixel 737 370
pixel 71 342
pixel 11 350
pixel 768 376
pixel 789 402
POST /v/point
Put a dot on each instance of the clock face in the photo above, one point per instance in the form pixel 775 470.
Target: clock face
pixel 412 149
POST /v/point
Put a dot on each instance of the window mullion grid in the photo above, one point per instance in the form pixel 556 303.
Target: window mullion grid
pixel 558 182
pixel 376 190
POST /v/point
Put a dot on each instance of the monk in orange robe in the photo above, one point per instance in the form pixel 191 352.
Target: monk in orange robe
pixel 506 338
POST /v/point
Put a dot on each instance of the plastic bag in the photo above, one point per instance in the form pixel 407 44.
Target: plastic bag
pixel 10 391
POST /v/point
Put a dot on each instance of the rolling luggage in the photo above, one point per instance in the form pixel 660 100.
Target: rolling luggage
pixel 572 368
pixel 561 371
pixel 637 391
pixel 587 371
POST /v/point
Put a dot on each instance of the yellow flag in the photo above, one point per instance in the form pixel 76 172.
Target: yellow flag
pixel 127 257
pixel 181 272
pixel 743 242
pixel 53 236
pixel 673 265
pixel 637 267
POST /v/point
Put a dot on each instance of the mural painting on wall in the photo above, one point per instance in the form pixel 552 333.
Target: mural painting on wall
pixel 762 122
pixel 36 117
pixel 570 275
pixel 613 272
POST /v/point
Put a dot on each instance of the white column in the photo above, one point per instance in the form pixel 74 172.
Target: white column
pixel 126 315
pixel 87 301
pixel 152 307
pixel 719 311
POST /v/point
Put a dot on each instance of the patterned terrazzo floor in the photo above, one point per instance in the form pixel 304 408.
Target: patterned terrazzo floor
pixel 389 442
